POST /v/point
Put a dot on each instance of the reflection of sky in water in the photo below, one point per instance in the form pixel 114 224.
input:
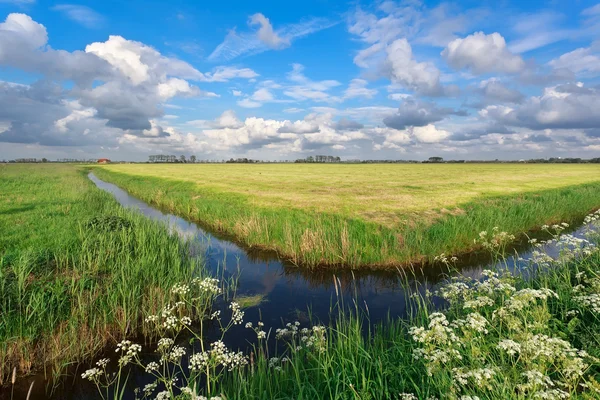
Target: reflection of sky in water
pixel 290 290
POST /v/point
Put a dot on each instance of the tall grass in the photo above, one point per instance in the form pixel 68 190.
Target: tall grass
pixel 500 336
pixel 77 271
pixel 315 238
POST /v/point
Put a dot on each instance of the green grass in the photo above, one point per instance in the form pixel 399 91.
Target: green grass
pixel 380 364
pixel 499 336
pixel 364 215
pixel 77 271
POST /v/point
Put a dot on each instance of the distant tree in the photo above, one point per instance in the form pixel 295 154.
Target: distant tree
pixel 44 160
pixel 192 159
pixel 182 158
pixel 338 159
pixel 310 159
pixel 435 159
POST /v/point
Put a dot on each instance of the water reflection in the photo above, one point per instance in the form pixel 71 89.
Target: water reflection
pixel 287 288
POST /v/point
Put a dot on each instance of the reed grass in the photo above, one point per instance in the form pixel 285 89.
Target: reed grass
pixel 77 271
pixel 350 233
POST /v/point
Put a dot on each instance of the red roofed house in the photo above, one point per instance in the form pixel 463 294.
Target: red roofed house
pixel 103 161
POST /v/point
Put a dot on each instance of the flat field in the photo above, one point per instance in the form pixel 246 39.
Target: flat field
pixel 373 214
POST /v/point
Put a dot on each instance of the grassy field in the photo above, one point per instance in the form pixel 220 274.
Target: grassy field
pixel 357 215
pixel 77 271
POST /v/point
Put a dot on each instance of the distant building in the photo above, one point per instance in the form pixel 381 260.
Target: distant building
pixel 103 161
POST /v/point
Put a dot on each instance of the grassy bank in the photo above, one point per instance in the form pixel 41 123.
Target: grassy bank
pixel 77 271
pixel 499 337
pixel 363 215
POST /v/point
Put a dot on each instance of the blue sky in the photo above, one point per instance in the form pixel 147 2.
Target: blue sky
pixel 272 80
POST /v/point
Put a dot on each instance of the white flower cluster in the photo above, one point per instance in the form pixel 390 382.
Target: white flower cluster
pixel 152 366
pixel 260 333
pixel 591 218
pixel 444 259
pixel 479 302
pixel 168 318
pixel 588 293
pixel 180 289
pixel 290 330
pixel 509 346
pixel 92 374
pixel 439 344
pixel 495 239
pixel 150 388
pixel 193 396
pixel 480 378
pixel 218 355
pixel 208 285
pixel 237 315
pixel 129 351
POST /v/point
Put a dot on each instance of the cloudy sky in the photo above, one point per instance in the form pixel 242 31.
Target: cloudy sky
pixel 271 80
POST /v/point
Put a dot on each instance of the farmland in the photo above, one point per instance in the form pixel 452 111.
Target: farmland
pixel 364 215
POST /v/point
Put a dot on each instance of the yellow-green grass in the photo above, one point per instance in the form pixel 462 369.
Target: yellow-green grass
pixel 357 215
pixel 77 271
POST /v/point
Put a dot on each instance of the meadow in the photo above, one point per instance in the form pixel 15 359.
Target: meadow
pixel 77 271
pixel 364 215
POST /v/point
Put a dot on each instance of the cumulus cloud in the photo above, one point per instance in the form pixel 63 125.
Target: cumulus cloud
pixel 402 68
pixel 119 87
pixel 493 90
pixel 429 133
pixel 315 131
pixel 415 113
pixel 481 53
pixel 559 107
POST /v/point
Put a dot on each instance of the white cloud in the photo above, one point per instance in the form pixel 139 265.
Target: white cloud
pixel 570 106
pixel 249 103
pixel 224 74
pixel 118 88
pixel 579 60
pixel 307 89
pixel 422 77
pixel 481 53
pixel 358 88
pixel 81 14
pixel 237 93
pixel 249 43
pixel 429 134
pixel 293 110
pixel 398 96
pixel 266 34
pixel 21 30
